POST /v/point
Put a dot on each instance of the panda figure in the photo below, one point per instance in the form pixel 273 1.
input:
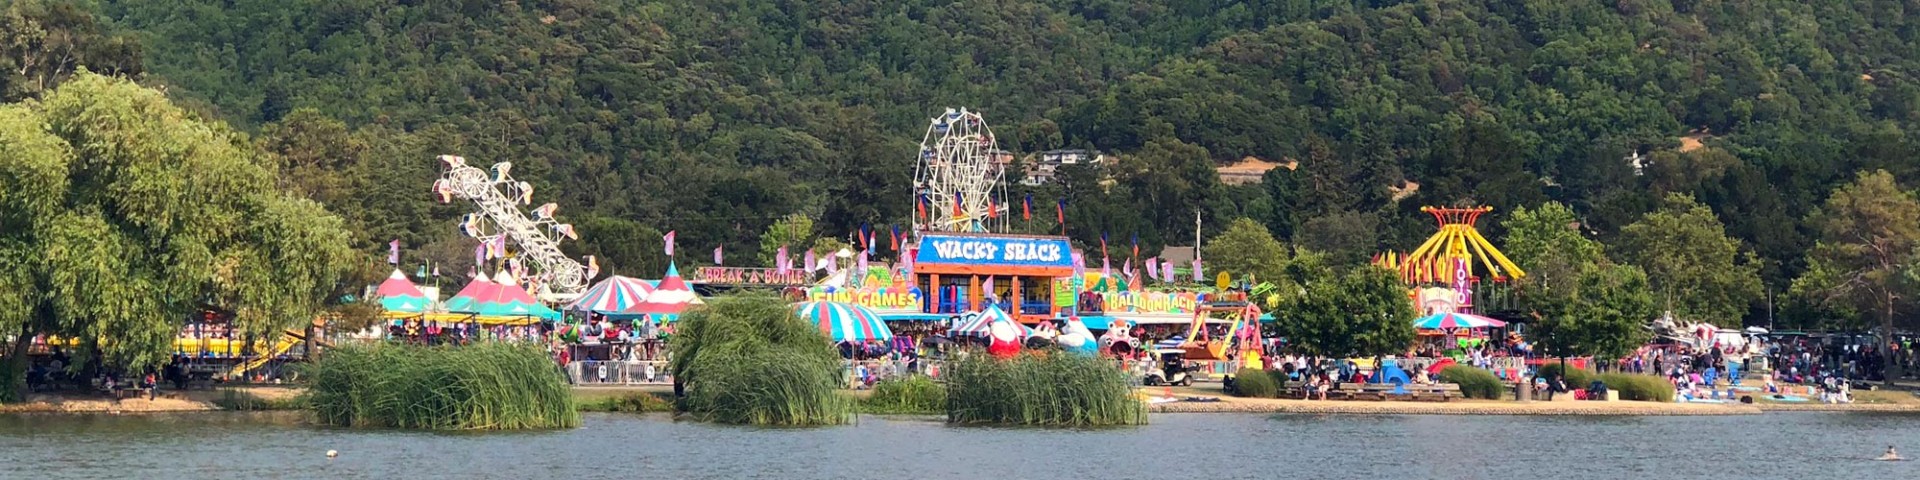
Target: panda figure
pixel 1076 338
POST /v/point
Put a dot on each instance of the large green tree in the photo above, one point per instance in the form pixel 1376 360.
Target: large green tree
pixel 1869 230
pixel 1695 270
pixel 1604 313
pixel 1548 243
pixel 1246 248
pixel 124 214
pixel 1361 312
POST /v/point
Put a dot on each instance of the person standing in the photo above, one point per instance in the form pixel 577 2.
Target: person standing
pixel 153 387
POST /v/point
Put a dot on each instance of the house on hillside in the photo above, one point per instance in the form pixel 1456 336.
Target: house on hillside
pixel 1041 168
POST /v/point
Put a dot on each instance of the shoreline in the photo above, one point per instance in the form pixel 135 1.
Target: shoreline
pixel 211 401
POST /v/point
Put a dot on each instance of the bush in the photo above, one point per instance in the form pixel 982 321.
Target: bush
pixel 914 394
pixel 1576 378
pixel 1051 389
pixel 748 359
pixel 1255 383
pixel 486 386
pixel 1644 388
pixel 1474 382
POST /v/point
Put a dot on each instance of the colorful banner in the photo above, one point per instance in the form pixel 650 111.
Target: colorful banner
pixel 888 298
pixel 978 250
pixel 1064 294
pixel 750 276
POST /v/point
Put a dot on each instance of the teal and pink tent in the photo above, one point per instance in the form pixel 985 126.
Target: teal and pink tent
pixel 400 297
pixel 499 300
pixel 844 322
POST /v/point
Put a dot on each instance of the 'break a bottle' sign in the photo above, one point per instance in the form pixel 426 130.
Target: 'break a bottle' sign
pixel 983 250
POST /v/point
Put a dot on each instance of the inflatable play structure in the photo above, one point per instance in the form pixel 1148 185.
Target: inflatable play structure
pixel 1076 338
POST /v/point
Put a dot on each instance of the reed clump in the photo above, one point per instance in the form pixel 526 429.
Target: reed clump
pixel 1255 383
pixel 748 359
pixel 1049 389
pixel 913 394
pixel 1644 388
pixel 486 386
pixel 1474 382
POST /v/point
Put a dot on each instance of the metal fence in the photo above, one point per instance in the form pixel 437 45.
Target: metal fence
pixel 610 372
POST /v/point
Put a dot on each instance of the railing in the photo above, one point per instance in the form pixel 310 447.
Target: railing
pixel 610 372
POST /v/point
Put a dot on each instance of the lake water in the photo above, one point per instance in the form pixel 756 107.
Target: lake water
pixel 1175 446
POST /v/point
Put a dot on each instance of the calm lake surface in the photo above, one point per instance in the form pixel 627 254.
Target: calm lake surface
pixel 1175 446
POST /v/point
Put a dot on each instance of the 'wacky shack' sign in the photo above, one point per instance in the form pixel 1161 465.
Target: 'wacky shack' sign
pixel 994 250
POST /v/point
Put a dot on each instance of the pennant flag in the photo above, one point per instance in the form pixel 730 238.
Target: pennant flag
pixel 593 266
pixel 1197 276
pixel 872 244
pixel 986 289
pixel 896 239
pixel 921 205
pixel 862 234
pixel 1079 264
pixel 781 262
pixel 833 266
pixel 436 270
pixel 956 204
pixel 1126 268
pixel 862 269
pixel 1106 267
pixel 993 209
pixel 1103 244
pixel 668 239
pixel 480 254
pixel 500 245
pixel 1136 245
pixel 1166 270
pixel 393 252
pixel 717 256
pixel 906 262
pixel 1060 210
pixel 1026 208
pixel 1153 268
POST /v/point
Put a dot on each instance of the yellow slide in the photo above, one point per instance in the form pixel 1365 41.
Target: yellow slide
pixel 287 341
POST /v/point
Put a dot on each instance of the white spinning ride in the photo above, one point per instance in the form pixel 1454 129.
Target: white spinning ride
pixel 498 196
pixel 956 165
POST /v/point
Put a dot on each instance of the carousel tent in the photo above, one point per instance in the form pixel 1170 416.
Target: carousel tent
pixel 467 300
pixel 400 297
pixel 612 296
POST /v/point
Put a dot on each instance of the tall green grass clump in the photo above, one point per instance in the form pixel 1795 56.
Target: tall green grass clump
pixel 1576 378
pixel 486 386
pixel 749 360
pixel 1040 389
pixel 1474 382
pixel 1255 383
pixel 1644 388
pixel 912 394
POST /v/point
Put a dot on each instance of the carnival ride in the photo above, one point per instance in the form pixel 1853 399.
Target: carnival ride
pixel 956 171
pixel 499 197
pixel 1242 333
pixel 1451 252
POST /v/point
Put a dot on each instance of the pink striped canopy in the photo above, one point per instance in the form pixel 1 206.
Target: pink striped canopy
pixel 1450 321
pixel 616 294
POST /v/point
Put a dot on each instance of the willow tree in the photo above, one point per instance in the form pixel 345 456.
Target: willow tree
pixel 121 215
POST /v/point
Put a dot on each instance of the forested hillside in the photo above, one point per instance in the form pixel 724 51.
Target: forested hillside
pixel 716 118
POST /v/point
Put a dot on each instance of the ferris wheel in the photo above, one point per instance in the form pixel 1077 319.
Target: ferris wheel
pixel 958 179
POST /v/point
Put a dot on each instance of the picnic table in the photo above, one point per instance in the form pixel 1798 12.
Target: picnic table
pixel 1435 392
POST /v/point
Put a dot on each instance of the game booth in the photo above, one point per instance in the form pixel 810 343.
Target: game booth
pixel 969 271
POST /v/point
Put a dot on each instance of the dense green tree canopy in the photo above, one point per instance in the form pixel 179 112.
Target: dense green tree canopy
pixel 1869 230
pixel 124 214
pixel 1361 312
pixel 1605 314
pixel 716 119
pixel 1246 248
pixel 1695 270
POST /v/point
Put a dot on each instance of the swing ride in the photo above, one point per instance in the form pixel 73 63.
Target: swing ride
pixel 498 198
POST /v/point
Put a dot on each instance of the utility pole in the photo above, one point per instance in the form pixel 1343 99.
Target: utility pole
pixel 1196 234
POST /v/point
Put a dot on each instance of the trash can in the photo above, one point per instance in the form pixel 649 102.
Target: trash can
pixel 1523 391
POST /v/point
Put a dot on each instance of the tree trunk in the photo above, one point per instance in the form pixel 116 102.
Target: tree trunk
pixel 16 365
pixel 1886 357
